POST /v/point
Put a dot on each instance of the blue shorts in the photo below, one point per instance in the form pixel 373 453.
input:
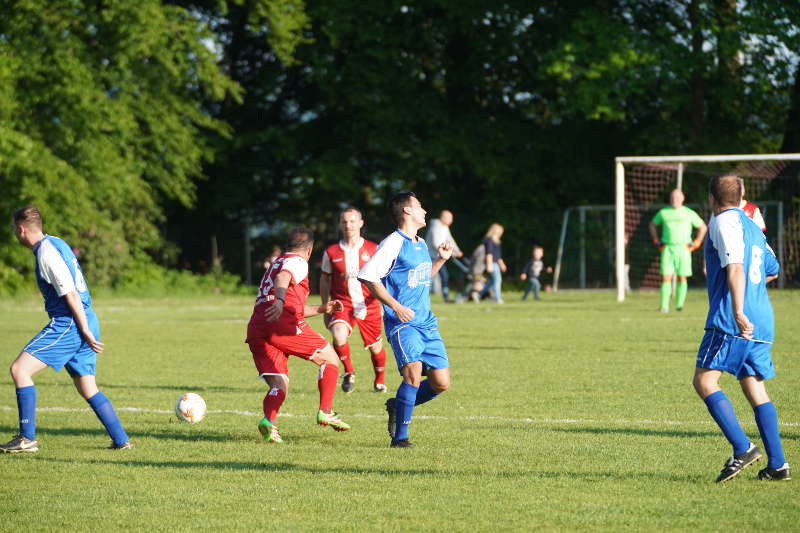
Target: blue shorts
pixel 415 344
pixel 59 345
pixel 735 355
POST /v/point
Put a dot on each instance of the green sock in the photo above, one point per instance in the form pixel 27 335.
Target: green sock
pixel 680 294
pixel 666 292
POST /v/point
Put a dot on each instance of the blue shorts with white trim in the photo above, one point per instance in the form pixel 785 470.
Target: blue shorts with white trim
pixel 416 344
pixel 60 345
pixel 735 355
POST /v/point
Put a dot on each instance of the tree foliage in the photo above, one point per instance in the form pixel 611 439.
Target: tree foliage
pixel 103 117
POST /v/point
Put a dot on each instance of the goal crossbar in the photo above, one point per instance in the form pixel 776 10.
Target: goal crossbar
pixel 619 200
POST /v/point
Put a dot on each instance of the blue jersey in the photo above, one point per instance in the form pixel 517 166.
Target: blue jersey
pixel 58 273
pixel 734 238
pixel 403 266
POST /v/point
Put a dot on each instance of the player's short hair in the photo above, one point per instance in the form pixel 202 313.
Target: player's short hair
pixel 299 238
pixel 28 216
pixel 397 203
pixel 726 189
pixel 351 208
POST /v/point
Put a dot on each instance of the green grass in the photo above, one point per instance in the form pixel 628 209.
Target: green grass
pixel 571 413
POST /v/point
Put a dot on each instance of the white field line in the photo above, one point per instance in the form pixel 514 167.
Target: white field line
pixel 617 421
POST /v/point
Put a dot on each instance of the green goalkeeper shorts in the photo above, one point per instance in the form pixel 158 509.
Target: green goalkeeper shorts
pixel 676 259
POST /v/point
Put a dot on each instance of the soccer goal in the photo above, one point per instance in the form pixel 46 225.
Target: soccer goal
pixel 643 185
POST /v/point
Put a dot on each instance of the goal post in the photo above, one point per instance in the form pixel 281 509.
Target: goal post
pixel 644 181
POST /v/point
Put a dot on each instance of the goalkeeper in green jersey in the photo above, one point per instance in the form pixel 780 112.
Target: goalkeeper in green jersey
pixel 676 246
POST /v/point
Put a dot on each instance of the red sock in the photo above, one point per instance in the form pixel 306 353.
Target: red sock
pixel 343 352
pixel 328 376
pixel 379 364
pixel 272 403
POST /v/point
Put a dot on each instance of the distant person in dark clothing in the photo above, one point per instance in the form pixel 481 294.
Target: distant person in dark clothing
pixel 495 266
pixel 532 270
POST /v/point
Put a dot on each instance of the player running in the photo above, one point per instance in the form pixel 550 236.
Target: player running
pixel 399 275
pixel 277 329
pixel 739 330
pixel 70 340
pixel 339 280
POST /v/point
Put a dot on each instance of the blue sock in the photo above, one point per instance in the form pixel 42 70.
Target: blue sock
pixel 26 405
pixel 722 411
pixel 105 412
pixel 767 420
pixel 425 393
pixel 405 398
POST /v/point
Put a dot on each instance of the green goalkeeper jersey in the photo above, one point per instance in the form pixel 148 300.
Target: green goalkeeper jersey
pixel 677 224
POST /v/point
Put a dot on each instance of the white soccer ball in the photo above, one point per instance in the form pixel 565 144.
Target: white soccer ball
pixel 190 407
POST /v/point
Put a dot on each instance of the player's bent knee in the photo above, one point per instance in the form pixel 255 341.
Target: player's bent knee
pixel 326 356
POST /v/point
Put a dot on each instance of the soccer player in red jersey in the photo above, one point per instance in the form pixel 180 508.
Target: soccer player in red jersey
pixel 277 329
pixel 340 265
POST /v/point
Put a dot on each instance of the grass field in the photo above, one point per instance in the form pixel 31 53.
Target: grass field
pixel 571 413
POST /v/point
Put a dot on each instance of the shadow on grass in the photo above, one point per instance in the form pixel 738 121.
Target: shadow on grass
pixel 164 435
pixel 173 388
pixel 661 432
pixel 290 467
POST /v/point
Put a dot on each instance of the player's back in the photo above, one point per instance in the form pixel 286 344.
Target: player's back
pixel 57 273
pixel 296 292
pixel 734 238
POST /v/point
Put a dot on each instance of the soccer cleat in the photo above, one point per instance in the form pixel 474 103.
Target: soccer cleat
pixel 269 431
pixel 679 309
pixel 391 410
pixel 379 387
pixel 775 474
pixel 663 310
pixel 349 382
pixel 400 443
pixel 123 446
pixel 19 444
pixel 332 419
pixel 739 462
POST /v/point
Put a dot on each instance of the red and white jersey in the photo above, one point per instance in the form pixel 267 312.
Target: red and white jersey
pixel 343 263
pixel 753 212
pixel 296 292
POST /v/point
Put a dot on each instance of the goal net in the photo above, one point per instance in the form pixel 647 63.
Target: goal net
pixel 643 185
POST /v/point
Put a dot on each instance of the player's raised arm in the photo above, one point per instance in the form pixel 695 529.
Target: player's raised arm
pixel 445 250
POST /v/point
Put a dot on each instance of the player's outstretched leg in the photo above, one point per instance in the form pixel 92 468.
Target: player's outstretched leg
pixel 326 382
pixel 745 453
pixel 271 405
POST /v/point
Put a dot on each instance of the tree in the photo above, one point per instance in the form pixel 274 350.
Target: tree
pixel 103 117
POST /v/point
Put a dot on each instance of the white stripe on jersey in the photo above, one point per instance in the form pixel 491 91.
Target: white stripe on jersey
pixel 351 268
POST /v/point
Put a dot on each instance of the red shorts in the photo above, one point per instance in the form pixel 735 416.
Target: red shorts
pixel 272 346
pixel 369 326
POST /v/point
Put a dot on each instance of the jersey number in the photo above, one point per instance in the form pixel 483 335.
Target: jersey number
pixel 755 265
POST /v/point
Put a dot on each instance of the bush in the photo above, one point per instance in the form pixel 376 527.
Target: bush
pixel 145 278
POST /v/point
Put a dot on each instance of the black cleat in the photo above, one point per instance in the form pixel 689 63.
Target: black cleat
pixel 739 462
pixel 391 410
pixel 775 474
pixel 400 443
pixel 19 444
pixel 349 382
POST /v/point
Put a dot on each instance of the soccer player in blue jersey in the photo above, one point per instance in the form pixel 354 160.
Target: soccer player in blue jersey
pixel 71 339
pixel 739 329
pixel 399 275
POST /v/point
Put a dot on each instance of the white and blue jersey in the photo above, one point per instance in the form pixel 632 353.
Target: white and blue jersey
pixel 58 273
pixel 403 265
pixel 733 238
pixel 60 344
